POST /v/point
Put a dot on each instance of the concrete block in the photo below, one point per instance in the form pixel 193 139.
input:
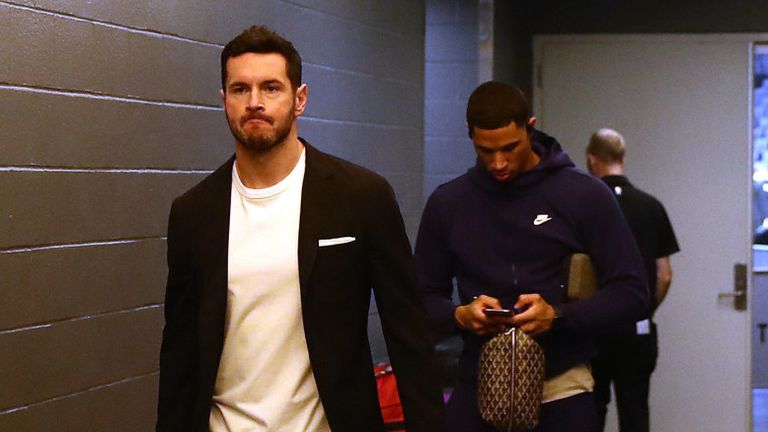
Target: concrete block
pixel 63 53
pixel 400 16
pixel 65 131
pixel 72 356
pixel 216 22
pixel 358 98
pixel 194 19
pixel 467 12
pixel 439 81
pixel 448 156
pixel 445 119
pixel 6 49
pixel 57 284
pixel 441 12
pixel 450 81
pixel 376 147
pixel 466 78
pixel 451 43
pixel 125 406
pixel 77 55
pixel 43 208
pixel 337 44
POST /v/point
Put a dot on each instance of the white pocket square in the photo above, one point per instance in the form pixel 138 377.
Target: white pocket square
pixel 334 241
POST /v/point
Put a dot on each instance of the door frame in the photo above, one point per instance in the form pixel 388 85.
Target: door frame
pixel 749 40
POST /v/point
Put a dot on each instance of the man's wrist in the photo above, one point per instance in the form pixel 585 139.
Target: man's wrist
pixel 560 320
pixel 456 313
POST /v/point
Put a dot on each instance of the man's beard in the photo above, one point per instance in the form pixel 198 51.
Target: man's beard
pixel 262 143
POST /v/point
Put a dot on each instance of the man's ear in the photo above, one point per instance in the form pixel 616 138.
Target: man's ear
pixel 532 121
pixel 592 164
pixel 301 99
pixel 223 97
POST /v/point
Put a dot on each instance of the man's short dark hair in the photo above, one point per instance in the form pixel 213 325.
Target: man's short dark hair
pixel 260 39
pixel 494 105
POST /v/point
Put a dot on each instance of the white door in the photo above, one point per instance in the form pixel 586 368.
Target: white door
pixel 682 103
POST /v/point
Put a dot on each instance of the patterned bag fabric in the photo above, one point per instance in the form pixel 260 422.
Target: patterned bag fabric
pixel 510 381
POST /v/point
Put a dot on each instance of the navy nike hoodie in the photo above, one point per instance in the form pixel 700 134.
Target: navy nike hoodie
pixel 508 238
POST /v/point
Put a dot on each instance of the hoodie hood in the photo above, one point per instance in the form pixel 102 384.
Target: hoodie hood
pixel 552 156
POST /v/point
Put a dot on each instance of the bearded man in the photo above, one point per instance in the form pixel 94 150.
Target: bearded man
pixel 271 263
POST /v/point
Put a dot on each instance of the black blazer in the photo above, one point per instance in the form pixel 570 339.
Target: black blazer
pixel 338 199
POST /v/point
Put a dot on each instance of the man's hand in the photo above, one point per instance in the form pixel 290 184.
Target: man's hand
pixel 537 317
pixel 472 317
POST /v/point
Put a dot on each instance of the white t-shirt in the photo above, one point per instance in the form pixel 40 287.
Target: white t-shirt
pixel 265 381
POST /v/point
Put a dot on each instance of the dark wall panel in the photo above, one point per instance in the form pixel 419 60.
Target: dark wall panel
pixel 397 17
pixel 64 131
pixel 200 20
pixel 109 110
pixel 438 161
pixel 374 43
pixel 68 54
pixel 363 98
pixel 362 49
pixel 127 406
pixel 76 355
pixel 67 207
pixel 214 21
pixel 451 73
pixel 377 147
pixel 73 282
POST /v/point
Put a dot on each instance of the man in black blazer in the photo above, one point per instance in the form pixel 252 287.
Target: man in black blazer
pixel 271 263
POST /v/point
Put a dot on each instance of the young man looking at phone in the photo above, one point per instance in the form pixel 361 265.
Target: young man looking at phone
pixel 504 231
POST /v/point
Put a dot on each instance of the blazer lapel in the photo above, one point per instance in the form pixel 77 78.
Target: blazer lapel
pixel 314 201
pixel 214 254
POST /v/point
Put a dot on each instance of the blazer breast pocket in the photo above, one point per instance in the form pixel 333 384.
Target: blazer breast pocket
pixel 338 251
pixel 335 241
pixel 340 268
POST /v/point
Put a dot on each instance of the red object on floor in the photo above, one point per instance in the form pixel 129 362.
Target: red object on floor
pixel 389 398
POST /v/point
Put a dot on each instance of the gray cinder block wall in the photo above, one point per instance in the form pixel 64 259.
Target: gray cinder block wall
pixel 110 109
pixel 451 73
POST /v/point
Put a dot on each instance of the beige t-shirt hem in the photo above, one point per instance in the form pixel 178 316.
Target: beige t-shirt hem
pixel 575 380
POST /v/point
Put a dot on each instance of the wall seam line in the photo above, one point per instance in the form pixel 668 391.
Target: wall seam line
pixel 78 393
pixel 108 24
pixel 4 85
pixel 100 170
pixel 50 324
pixel 342 18
pixel 54 246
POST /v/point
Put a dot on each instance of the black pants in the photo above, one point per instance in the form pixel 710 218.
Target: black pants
pixel 573 414
pixel 627 362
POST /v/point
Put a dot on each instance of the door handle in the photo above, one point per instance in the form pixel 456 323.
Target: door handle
pixel 739 293
pixel 762 327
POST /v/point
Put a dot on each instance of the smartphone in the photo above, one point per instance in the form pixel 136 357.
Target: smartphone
pixel 498 312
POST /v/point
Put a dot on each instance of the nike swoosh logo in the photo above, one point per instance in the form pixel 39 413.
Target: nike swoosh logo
pixel 540 219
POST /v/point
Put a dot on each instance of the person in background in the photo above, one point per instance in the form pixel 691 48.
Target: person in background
pixel 628 357
pixel 503 231
pixel 271 262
